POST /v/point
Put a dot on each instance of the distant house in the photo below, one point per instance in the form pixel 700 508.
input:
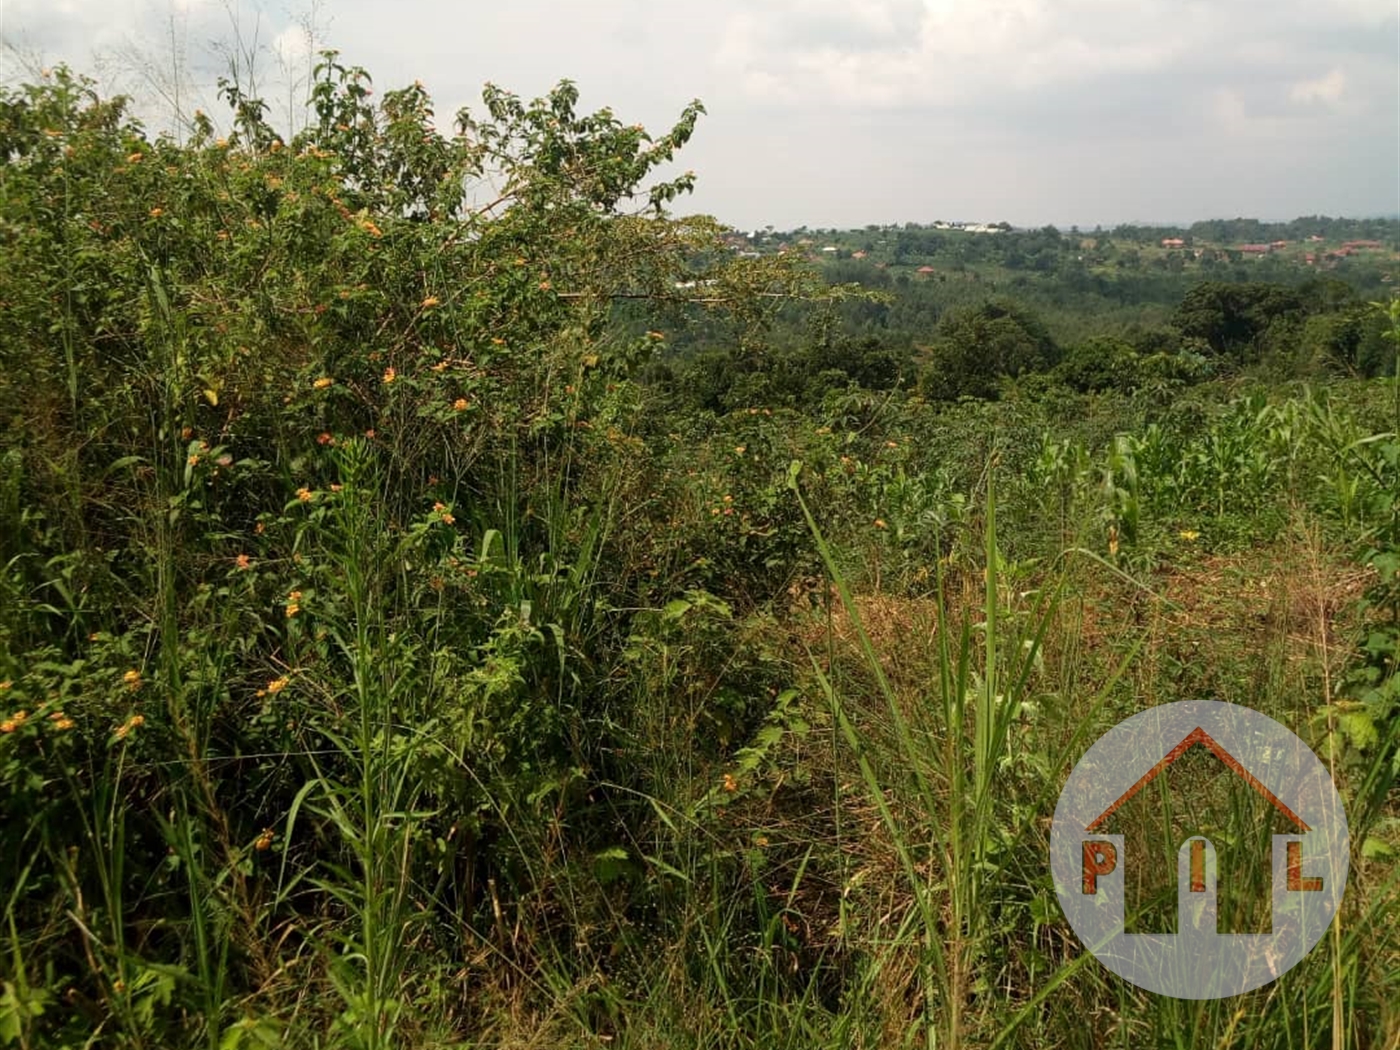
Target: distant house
pixel 1317 237
pixel 925 270
pixel 1173 242
pixel 1279 244
pixel 1361 244
pixel 830 249
pixel 858 255
pixel 1256 249
pixel 1310 258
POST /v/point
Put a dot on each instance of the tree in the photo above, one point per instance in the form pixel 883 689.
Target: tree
pixel 1099 363
pixel 1231 318
pixel 976 348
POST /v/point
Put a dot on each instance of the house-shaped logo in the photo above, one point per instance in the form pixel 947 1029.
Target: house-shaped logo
pixel 1309 859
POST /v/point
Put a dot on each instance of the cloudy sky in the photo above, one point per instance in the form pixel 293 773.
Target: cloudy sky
pixel 848 112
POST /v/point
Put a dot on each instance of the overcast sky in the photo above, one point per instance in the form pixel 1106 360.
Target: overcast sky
pixel 848 112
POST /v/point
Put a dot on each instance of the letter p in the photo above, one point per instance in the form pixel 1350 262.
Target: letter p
pixel 1100 858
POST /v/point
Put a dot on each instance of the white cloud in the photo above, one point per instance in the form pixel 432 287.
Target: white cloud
pixel 293 45
pixel 1327 88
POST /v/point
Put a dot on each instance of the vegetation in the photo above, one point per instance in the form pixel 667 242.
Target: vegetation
pixel 448 600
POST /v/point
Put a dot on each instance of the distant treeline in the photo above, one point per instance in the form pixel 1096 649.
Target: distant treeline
pixel 1213 231
pixel 979 339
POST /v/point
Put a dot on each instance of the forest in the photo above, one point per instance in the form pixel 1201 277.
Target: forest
pixel 451 597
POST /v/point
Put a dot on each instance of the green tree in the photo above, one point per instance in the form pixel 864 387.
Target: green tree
pixel 976 348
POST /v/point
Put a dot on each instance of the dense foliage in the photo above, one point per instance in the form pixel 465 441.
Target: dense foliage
pixel 436 580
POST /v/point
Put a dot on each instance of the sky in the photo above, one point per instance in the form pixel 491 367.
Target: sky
pixel 843 113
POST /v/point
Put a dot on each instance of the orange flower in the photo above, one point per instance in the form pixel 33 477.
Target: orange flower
pixel 264 841
pixel 156 213
pixel 880 523
pixel 134 158
pixel 730 784
pixel 277 685
pixel 323 382
pixel 132 679
pixel 243 561
pixel 390 375
pixel 324 438
pixel 304 494
pixel 544 286
pixel 460 405
pixel 430 302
